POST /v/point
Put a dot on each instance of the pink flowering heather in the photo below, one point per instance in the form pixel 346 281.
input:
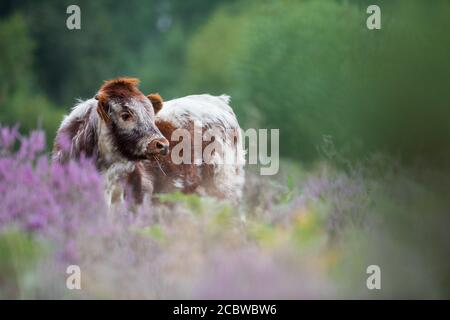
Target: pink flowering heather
pixel 312 237
pixel 44 197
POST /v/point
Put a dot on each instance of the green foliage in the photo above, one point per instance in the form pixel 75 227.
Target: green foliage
pixel 309 68
pixel 192 201
pixel 45 66
pixel 209 55
pixel 287 196
pixel 20 102
pixel 313 69
pixel 161 62
pixel 153 231
pixel 18 255
pixel 15 54
pixel 71 64
pixel 198 205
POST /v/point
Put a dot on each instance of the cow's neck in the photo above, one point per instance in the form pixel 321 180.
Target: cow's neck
pixel 113 167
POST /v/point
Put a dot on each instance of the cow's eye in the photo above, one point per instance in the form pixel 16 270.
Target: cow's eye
pixel 125 116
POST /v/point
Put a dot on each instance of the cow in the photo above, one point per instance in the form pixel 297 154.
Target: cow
pixel 129 136
pixel 218 169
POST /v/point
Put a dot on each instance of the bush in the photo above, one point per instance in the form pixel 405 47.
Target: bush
pixel 19 99
pixel 16 49
pixel 313 69
pixel 37 195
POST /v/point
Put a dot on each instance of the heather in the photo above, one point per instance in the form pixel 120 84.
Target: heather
pixel 303 234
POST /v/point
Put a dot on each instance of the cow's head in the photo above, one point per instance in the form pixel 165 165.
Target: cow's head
pixel 129 116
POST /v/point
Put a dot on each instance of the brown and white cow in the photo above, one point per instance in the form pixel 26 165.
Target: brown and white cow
pixel 213 132
pixel 128 134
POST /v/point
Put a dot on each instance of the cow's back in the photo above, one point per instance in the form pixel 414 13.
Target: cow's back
pixel 222 175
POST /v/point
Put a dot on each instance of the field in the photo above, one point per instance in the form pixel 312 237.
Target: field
pixel 360 207
pixel 304 234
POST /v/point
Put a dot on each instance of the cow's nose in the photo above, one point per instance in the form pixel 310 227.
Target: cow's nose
pixel 160 145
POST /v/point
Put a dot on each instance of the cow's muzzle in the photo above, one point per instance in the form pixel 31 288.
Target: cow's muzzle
pixel 158 146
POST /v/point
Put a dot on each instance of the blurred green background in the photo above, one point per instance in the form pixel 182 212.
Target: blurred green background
pixel 310 68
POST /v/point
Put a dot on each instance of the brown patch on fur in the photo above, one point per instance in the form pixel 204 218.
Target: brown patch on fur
pixel 166 128
pixel 120 89
pixel 156 101
pixel 191 176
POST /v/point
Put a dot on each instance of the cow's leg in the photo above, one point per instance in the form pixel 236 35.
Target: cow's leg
pixel 114 191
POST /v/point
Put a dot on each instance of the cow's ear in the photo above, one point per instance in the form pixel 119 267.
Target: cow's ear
pixel 156 100
pixel 103 108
